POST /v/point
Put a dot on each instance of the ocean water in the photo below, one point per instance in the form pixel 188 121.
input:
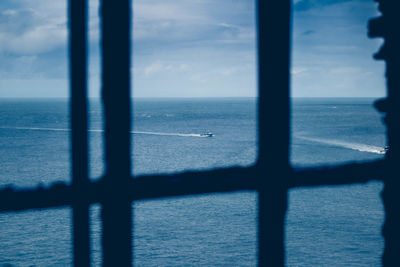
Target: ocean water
pixel 325 226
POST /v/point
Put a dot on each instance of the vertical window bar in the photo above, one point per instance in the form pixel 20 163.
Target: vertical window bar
pixel 273 107
pixel 117 209
pixel 78 110
pixel 386 27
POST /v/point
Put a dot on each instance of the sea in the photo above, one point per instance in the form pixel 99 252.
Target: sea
pixel 324 226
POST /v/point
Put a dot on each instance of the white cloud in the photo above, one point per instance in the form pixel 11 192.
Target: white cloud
pixel 37 40
pixel 166 19
pixel 10 12
pixel 298 70
pixel 42 24
pixel 194 21
pixel 199 78
pixel 153 68
pixel 94 21
pixel 228 71
pixel 166 10
pixel 345 70
pixel 159 67
pixel 183 67
pixel 226 25
pixel 187 43
pixel 233 34
pixel 37 27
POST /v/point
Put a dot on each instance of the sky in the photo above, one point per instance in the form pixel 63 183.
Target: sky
pixel 194 48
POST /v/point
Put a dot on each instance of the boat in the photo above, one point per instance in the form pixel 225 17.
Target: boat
pixel 385 150
pixel 207 134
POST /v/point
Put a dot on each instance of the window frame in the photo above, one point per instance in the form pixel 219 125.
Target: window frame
pixel 271 176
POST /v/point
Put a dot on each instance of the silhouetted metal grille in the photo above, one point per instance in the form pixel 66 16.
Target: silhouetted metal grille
pixel 272 174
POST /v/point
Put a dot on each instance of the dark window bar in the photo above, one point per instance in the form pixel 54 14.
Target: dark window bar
pixel 273 142
pixel 78 109
pixel 272 175
pixel 116 205
pixel 191 183
pixel 386 26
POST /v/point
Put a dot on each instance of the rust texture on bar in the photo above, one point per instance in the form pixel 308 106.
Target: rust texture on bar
pixel 116 61
pixel 78 115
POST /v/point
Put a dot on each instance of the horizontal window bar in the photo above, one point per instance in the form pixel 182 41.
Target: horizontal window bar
pixel 189 183
pixel 339 174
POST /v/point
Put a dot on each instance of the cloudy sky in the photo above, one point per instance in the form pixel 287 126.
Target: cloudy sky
pixel 194 48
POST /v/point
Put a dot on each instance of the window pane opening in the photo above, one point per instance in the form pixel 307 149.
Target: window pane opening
pixel 194 73
pixel 95 107
pixel 34 122
pixel 335 82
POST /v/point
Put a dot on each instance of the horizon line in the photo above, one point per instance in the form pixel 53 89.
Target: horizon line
pixel 183 97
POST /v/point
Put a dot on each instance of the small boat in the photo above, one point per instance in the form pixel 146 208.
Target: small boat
pixel 207 134
pixel 385 149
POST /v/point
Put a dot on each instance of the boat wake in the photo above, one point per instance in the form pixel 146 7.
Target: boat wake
pixel 170 134
pixel 344 144
pixel 37 129
pixel 94 130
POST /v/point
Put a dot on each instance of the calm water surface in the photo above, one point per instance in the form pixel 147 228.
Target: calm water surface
pixel 326 226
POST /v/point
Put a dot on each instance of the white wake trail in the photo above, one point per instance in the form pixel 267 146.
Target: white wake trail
pixel 171 134
pixel 344 144
pixel 94 130
pixel 37 129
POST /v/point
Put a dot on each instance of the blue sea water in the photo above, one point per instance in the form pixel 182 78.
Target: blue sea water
pixel 325 226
